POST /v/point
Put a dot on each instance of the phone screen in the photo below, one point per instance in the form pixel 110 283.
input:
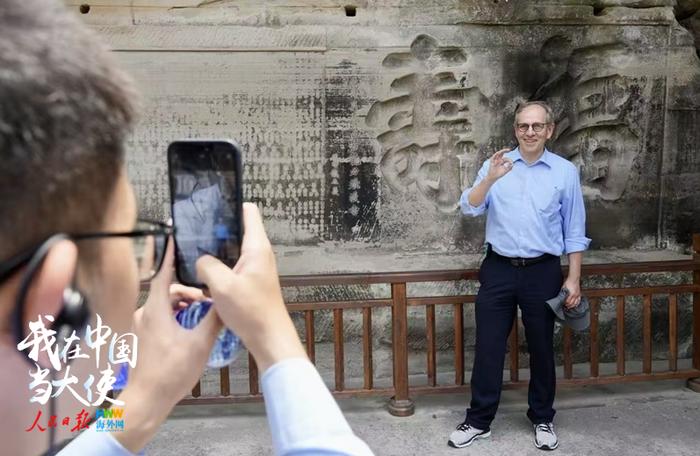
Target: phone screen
pixel 205 194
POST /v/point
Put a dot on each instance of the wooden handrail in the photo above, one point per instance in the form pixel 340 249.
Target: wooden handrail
pixel 364 278
pixel 399 302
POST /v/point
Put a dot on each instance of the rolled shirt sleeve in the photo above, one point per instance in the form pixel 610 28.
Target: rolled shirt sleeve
pixel 574 215
pixel 468 209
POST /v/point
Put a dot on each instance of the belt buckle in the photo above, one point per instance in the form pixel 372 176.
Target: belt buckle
pixel 518 262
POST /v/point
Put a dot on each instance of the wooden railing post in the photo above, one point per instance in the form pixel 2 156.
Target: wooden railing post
pixel 338 344
pixel 694 383
pixel 400 404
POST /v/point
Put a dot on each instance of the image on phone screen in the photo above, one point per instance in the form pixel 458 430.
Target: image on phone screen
pixel 205 196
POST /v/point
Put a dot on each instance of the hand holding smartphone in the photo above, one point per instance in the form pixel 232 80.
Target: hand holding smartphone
pixel 207 210
pixel 206 199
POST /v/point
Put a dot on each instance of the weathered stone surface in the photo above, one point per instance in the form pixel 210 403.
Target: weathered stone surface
pixel 356 131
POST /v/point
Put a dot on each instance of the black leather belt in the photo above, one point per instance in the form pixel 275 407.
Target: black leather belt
pixel 521 262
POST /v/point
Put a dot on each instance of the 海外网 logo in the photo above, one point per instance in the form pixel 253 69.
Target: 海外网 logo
pixel 109 420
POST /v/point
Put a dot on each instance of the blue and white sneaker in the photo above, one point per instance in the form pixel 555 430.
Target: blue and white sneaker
pixel 545 438
pixel 465 435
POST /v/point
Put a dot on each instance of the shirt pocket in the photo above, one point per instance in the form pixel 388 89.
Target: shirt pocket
pixel 547 199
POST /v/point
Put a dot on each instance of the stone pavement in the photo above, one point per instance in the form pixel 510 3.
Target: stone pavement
pixel 650 418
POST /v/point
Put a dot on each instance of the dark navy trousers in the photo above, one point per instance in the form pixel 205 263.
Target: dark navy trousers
pixel 503 287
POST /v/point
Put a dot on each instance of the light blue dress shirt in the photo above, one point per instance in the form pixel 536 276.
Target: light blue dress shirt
pixel 304 418
pixel 534 209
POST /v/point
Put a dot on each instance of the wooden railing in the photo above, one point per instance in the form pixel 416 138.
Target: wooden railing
pixel 399 302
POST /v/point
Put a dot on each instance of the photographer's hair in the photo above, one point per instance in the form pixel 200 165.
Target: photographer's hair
pixel 549 114
pixel 65 110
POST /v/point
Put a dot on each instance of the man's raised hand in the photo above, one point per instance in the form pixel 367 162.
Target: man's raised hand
pixel 499 165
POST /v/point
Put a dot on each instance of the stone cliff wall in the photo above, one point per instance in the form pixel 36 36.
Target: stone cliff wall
pixel 366 127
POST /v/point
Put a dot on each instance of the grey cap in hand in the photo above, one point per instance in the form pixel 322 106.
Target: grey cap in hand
pixel 577 317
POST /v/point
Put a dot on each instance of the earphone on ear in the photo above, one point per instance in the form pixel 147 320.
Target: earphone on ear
pixel 73 315
pixel 74 311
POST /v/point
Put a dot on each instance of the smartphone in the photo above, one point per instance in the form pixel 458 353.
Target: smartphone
pixel 206 203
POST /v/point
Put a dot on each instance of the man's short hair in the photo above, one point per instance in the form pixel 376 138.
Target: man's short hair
pixel 549 114
pixel 65 110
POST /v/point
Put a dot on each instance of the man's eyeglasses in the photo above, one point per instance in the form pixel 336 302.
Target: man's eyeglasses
pixel 537 127
pixel 150 240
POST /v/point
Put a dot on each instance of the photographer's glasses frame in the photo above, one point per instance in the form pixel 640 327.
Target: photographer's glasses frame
pixel 150 242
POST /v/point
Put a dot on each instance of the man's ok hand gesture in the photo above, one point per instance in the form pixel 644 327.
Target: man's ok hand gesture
pixel 499 165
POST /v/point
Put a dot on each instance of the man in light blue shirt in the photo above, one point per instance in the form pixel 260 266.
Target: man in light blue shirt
pixel 535 214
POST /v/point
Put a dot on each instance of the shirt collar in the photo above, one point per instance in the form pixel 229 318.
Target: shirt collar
pixel 544 158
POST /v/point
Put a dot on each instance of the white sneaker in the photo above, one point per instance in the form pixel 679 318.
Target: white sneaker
pixel 545 438
pixel 464 435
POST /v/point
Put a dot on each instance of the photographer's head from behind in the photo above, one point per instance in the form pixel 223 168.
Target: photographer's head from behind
pixel 64 115
pixel 69 239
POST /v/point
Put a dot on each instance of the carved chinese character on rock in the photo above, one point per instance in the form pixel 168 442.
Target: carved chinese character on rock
pixel 425 128
pixel 598 111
